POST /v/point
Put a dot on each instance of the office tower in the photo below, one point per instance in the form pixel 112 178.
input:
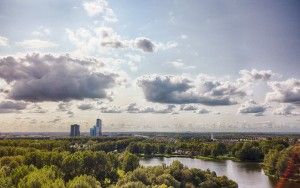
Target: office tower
pixel 99 127
pixel 96 130
pixel 75 130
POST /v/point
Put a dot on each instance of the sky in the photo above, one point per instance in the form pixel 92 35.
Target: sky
pixel 177 66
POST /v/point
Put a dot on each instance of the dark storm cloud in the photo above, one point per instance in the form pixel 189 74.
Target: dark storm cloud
pixel 85 106
pixel 181 90
pixel 144 44
pixel 48 78
pixel 285 91
pixel 10 106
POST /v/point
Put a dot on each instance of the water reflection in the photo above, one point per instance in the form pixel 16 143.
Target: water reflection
pixel 247 175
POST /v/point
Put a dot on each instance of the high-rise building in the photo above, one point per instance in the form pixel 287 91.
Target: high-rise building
pixel 96 130
pixel 75 130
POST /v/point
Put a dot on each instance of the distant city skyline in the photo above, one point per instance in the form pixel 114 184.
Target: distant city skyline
pixel 150 65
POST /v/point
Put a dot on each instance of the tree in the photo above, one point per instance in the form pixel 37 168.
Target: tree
pixel 148 149
pixel 218 149
pixel 72 166
pixel 84 181
pixel 270 161
pixel 161 148
pixel 48 176
pixel 133 148
pixel 21 172
pixel 129 162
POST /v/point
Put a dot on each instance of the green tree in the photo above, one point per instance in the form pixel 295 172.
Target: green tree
pixel 48 176
pixel 129 162
pixel 84 181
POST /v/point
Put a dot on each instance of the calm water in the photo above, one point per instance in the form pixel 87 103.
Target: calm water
pixel 247 175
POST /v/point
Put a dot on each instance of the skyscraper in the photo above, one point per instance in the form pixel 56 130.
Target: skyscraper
pixel 75 130
pixel 97 129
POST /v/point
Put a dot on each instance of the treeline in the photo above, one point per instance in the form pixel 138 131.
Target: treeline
pixel 19 146
pixel 242 150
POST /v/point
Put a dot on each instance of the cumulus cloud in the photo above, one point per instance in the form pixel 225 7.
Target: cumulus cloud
pixel 70 114
pixel 287 91
pixel 144 44
pixel 254 75
pixel 85 106
pixel 286 110
pixel 97 7
pixel 64 106
pixel 133 108
pixel 98 39
pixel 188 107
pixel 252 107
pixel 11 106
pixel 48 78
pixel 179 65
pixel 55 120
pixel 41 32
pixel 3 41
pixel 202 111
pixel 182 90
pixel 110 109
pixel 38 109
pixel 36 44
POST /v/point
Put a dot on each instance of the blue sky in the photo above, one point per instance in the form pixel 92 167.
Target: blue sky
pixel 177 65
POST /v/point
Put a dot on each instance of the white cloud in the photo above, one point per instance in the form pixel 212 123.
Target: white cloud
pixel 3 41
pixel 287 91
pixel 179 65
pixel 254 75
pixel 133 108
pixel 188 107
pixel 36 44
pixel 252 107
pixel 96 7
pixel 41 32
pixel 183 36
pixel 111 109
pixel 286 110
pixel 100 39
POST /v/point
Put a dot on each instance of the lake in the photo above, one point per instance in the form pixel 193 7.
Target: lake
pixel 246 174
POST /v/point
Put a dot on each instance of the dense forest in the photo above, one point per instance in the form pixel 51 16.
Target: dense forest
pixel 114 162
